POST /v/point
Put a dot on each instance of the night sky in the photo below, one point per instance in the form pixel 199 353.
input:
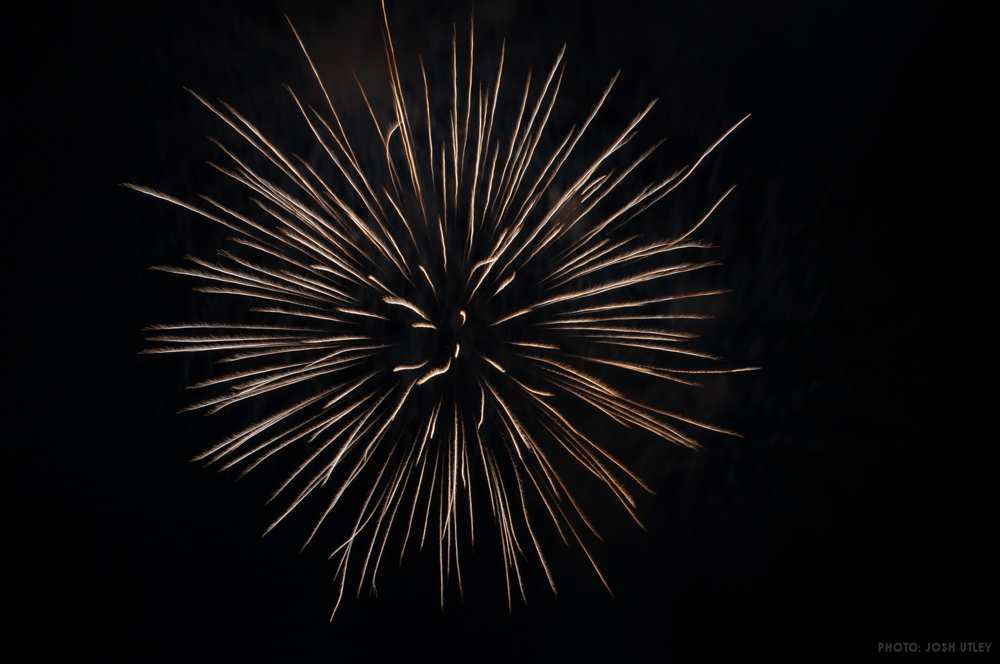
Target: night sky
pixel 851 513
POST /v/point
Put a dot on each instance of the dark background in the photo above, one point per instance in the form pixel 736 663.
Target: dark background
pixel 853 512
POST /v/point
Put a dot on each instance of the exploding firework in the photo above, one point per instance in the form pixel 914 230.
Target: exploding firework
pixel 427 322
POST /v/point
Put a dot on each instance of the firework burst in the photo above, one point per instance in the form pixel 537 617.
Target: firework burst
pixel 426 321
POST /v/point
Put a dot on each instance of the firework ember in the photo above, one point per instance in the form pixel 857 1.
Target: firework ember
pixel 426 323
